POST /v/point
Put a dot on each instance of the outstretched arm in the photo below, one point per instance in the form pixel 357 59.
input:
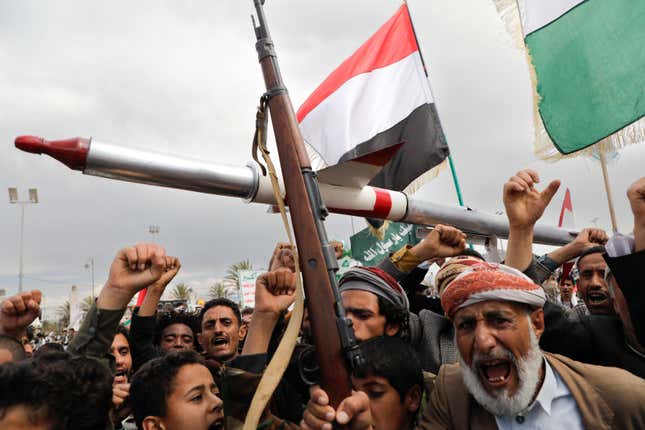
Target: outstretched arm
pixel 274 293
pixel 524 207
pixel 133 269
pixel 443 241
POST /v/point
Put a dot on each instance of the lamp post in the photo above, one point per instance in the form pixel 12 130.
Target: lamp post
pixel 90 265
pixel 13 199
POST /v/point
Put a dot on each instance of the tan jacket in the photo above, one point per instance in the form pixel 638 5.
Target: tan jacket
pixel 607 397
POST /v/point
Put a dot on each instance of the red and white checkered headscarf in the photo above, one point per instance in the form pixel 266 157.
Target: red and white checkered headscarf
pixel 488 281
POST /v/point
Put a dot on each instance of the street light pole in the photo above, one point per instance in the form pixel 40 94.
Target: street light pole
pixel 13 199
pixel 90 265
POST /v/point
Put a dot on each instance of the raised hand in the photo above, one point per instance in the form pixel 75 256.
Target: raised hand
pixel 443 241
pixel 636 196
pixel 353 412
pixel 156 290
pixel 524 204
pixel 172 268
pixel 121 407
pixel 133 269
pixel 590 237
pixel 282 257
pixel 17 312
pixel 274 291
pixel 587 238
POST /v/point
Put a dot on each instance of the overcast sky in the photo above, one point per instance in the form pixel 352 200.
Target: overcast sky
pixel 183 77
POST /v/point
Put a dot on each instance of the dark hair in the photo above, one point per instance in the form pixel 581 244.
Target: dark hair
pixel 221 302
pixel 48 347
pixel 247 310
pixel 600 249
pixel 394 316
pixel 394 359
pixel 152 383
pixel 121 329
pixel 74 393
pixel 471 252
pixel 14 346
pixel 166 319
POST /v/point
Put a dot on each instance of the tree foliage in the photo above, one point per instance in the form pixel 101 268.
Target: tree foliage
pixel 63 312
pixel 233 271
pixel 219 290
pixel 181 291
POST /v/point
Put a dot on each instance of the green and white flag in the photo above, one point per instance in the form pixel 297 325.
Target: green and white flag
pixel 588 59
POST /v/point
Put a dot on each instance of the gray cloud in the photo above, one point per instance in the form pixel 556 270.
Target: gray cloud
pixel 184 78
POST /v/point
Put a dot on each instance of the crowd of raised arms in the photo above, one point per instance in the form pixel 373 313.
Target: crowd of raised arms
pixel 522 344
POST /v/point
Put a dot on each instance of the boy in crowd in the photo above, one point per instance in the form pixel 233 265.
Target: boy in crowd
pixel 175 392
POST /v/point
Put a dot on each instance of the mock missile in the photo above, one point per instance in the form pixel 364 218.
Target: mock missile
pixel 98 158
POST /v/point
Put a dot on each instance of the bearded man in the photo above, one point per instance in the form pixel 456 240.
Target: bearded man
pixel 503 377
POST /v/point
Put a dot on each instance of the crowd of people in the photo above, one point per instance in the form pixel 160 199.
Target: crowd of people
pixel 536 342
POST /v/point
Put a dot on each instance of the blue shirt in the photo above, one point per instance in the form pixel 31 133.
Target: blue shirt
pixel 553 408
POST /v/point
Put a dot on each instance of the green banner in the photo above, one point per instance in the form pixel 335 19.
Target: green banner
pixel 370 251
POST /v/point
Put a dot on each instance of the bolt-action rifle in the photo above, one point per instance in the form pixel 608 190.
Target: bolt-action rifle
pixel 336 347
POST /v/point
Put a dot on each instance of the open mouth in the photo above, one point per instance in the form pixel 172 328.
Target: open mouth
pixel 219 341
pixel 597 297
pixel 495 372
pixel 217 425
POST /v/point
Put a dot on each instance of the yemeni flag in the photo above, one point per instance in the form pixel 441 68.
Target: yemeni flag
pixel 566 213
pixel 377 108
pixel 589 61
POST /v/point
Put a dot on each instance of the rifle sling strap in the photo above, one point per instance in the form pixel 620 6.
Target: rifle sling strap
pixel 274 371
pixel 261 122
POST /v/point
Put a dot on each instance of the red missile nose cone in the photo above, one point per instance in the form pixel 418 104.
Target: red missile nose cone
pixel 32 144
pixel 71 152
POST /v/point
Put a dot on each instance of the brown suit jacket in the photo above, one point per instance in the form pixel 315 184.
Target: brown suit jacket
pixel 607 397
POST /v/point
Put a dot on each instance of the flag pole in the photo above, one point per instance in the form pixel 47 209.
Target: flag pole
pixel 610 201
pixel 453 171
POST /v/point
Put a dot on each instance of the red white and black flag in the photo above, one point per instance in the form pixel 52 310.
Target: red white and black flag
pixel 377 108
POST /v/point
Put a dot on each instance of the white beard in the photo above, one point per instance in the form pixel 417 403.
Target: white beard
pixel 528 372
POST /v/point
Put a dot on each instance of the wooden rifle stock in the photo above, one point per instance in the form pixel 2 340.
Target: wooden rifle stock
pixel 331 330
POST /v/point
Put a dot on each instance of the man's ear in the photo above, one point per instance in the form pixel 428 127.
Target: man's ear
pixel 152 423
pixel 412 400
pixel 391 329
pixel 242 331
pixel 537 320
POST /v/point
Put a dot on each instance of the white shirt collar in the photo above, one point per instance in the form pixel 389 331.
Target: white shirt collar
pixel 552 388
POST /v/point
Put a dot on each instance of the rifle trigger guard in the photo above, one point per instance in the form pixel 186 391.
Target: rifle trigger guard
pixel 308 367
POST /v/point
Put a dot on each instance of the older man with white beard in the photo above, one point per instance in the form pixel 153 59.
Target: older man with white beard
pixel 503 380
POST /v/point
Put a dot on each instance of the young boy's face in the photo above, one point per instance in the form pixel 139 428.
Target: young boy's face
pixel 193 402
pixel 389 411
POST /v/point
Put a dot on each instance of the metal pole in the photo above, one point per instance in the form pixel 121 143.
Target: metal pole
pixel 92 263
pixel 453 171
pixel 610 202
pixel 22 228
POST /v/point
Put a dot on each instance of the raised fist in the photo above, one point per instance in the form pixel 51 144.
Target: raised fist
pixel 443 241
pixel 275 291
pixel 282 257
pixel 17 312
pixel 172 268
pixel 636 196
